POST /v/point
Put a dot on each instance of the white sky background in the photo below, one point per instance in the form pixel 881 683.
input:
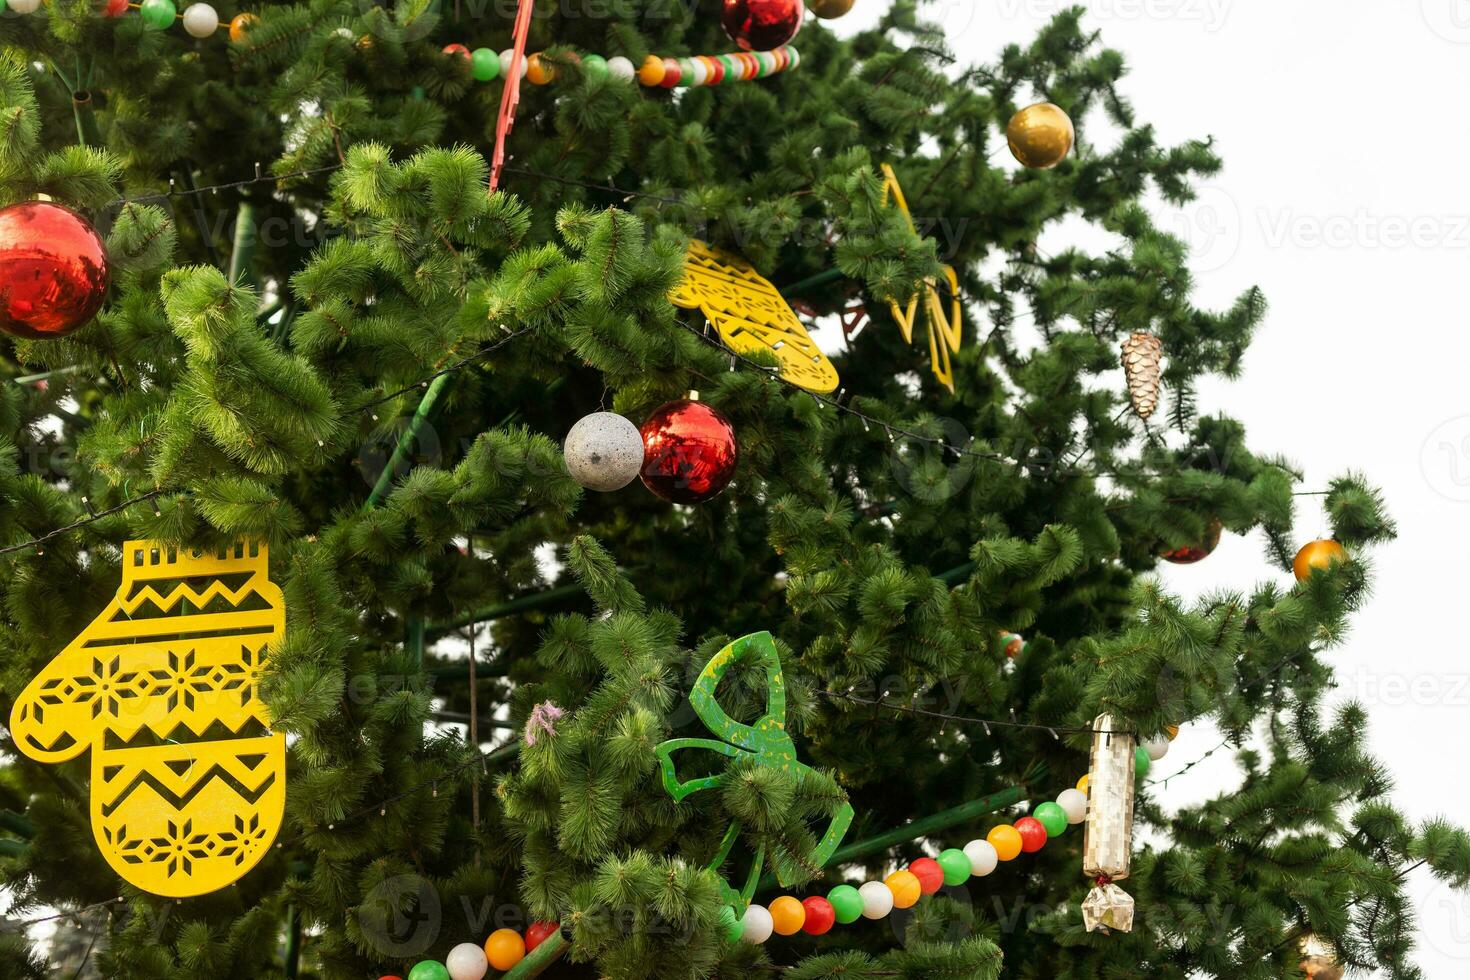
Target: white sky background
pixel 1344 197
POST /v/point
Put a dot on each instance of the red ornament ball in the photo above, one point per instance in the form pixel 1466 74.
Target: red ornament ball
pixel 929 873
pixel 539 933
pixel 689 452
pixel 53 270
pixel 115 8
pixel 457 49
pixel 1190 554
pixel 1033 834
pixel 820 916
pixel 761 25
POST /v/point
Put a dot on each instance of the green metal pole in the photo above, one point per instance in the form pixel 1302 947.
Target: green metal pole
pixel 923 827
pixel 956 575
pixel 820 279
pixel 12 848
pixel 293 941
pixel 243 251
pixel 86 118
pixel 510 607
pixel 400 451
pixel 551 950
pixel 17 824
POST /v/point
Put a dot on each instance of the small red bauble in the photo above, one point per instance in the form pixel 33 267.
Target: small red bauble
pixel 458 49
pixel 115 8
pixel 539 933
pixel 1033 834
pixel 820 916
pixel 53 270
pixel 689 452
pixel 929 873
pixel 761 25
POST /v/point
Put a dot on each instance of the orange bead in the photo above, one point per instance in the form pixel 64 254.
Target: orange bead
pixel 1318 554
pixel 1006 840
pixel 652 72
pixel 538 72
pixel 505 948
pixel 905 887
pixel 241 25
pixel 1172 731
pixel 1084 782
pixel 787 915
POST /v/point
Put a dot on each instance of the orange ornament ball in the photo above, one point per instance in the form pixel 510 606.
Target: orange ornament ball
pixel 539 71
pixel 1318 554
pixel 241 25
pixel 1084 782
pixel 505 948
pixel 1006 840
pixel 787 915
pixel 652 71
pixel 905 887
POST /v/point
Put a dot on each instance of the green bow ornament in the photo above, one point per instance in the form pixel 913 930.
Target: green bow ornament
pixel 765 742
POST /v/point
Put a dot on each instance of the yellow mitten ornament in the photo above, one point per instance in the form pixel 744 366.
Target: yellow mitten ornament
pixel 188 781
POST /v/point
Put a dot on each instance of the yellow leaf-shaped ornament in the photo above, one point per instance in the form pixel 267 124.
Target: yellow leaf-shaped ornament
pixel 752 315
pixel 188 782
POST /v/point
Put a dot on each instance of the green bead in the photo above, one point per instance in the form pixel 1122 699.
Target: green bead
pixel 484 65
pixel 1053 818
pixel 1141 762
pixel 956 866
pixel 158 15
pixel 730 926
pixel 429 970
pixel 686 73
pixel 2 6
pixel 595 65
pixel 847 903
pixel 732 67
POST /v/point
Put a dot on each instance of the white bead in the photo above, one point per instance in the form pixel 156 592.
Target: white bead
pixel 877 899
pixel 700 74
pixel 506 57
pixel 1156 748
pixel 622 68
pixel 24 6
pixel 757 925
pixel 200 20
pixel 1074 801
pixel 604 452
pixel 466 962
pixel 983 857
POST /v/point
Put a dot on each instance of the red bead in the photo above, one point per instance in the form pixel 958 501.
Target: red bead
pixel 115 8
pixel 820 916
pixel 929 873
pixel 1033 834
pixel 53 270
pixel 539 933
pixel 458 49
pixel 673 72
pixel 689 452
pixel 761 25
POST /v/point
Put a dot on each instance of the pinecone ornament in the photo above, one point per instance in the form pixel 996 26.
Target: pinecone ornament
pixel 1143 356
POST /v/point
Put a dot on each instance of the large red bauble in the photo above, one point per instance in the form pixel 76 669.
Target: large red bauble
pixel 1190 554
pixel 820 916
pixel 53 270
pixel 1033 834
pixel 761 25
pixel 689 452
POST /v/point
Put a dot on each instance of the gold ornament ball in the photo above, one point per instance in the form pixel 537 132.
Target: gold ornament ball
pixel 1318 554
pixel 829 9
pixel 1040 136
pixel 1319 960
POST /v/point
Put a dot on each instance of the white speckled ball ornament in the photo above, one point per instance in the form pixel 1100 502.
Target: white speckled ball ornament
pixel 877 899
pixel 604 452
pixel 25 6
pixel 200 20
pixel 756 925
pixel 1157 748
pixel 1074 801
pixel 467 962
pixel 621 68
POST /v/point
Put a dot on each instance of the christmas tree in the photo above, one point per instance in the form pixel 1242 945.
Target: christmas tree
pixel 418 690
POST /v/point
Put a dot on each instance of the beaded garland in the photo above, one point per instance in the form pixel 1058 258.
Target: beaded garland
pixel 655 71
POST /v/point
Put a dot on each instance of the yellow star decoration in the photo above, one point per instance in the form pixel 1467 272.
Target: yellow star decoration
pixel 163 689
pixel 751 315
pixel 946 333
